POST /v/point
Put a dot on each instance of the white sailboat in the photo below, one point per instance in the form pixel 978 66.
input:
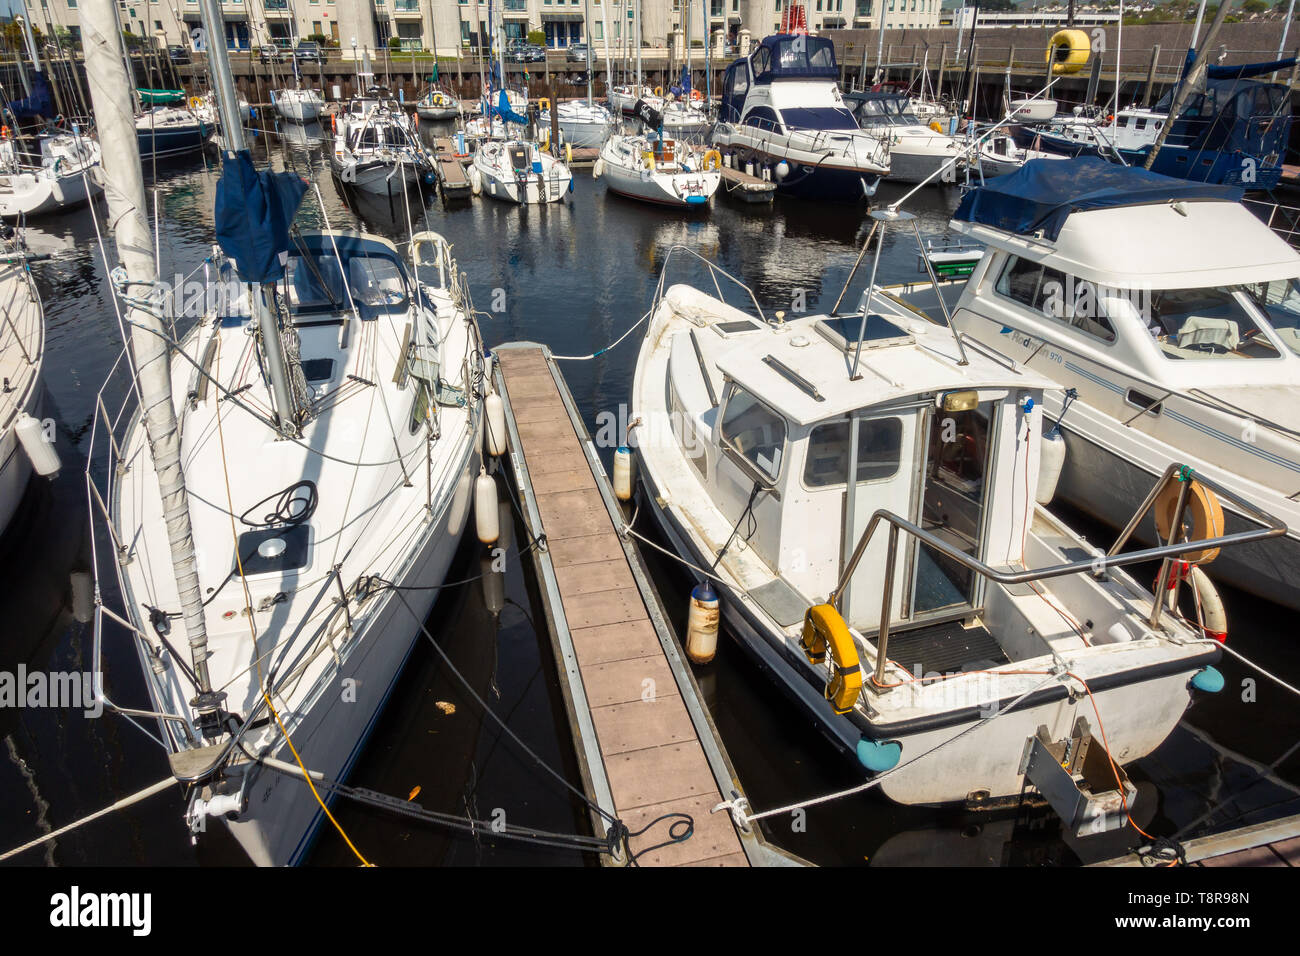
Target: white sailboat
pixel 519 171
pixel 661 171
pixel 22 353
pixel 290 495
pixel 64 174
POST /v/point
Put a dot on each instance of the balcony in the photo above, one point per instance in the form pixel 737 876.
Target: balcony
pixel 407 9
pixel 276 8
pixel 515 8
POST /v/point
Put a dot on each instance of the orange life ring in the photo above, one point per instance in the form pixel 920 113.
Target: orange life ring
pixel 696 95
pixel 1206 513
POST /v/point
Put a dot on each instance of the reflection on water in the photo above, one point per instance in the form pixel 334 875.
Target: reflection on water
pixel 574 275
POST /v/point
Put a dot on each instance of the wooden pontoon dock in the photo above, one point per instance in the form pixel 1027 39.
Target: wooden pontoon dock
pixel 645 743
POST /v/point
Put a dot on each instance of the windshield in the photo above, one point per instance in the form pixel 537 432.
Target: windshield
pixel 1210 323
pixel 1280 302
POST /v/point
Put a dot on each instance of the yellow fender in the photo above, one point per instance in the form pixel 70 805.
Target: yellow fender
pixel 1205 511
pixel 546 138
pixel 823 628
pixel 1067 51
pixel 568 154
pixel 712 160
pixel 648 157
pixel 544 104
pixel 936 126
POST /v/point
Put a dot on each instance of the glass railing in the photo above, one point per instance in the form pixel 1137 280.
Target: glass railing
pixel 406 6
pixel 516 6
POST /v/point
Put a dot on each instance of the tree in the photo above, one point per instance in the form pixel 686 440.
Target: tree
pixel 537 37
pixel 1254 6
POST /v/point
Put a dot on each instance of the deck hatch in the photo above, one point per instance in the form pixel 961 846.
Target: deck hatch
pixel 842 332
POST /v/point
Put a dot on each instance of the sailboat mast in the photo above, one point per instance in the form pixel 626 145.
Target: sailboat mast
pixel 232 131
pixel 586 35
pixel 636 13
pixel 110 91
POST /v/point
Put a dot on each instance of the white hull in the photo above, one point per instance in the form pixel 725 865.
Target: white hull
pixel 283 817
pixel 500 180
pixel 298 109
pixel 685 190
pixel 581 135
pixel 22 348
pixel 29 194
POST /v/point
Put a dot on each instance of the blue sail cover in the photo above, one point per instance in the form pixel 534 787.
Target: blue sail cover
pixel 253 214
pixel 40 103
pixel 796 56
pixel 1242 71
pixel 504 110
pixel 1041 194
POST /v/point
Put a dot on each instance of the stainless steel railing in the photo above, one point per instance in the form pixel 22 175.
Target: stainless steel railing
pixel 1166 552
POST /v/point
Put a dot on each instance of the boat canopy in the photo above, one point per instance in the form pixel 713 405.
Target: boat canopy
pixel 796 56
pixel 1240 71
pixel 1041 195
pixel 161 97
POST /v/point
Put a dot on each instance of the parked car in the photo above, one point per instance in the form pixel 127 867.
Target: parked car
pixel 577 53
pixel 272 54
pixel 534 53
pixel 178 54
pixel 308 51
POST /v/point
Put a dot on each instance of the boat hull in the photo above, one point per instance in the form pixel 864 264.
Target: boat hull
pixel 1101 482
pixel 298 110
pixel 171 141
pixel 377 177
pixel 26 195
pixel 1140 710
pixel 283 819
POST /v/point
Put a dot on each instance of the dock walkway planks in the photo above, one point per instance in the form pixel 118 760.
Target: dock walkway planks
pixel 652 758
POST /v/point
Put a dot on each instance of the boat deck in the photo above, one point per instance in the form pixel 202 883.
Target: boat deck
pixel 644 741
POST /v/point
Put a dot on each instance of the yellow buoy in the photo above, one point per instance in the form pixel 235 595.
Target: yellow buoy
pixel 1067 51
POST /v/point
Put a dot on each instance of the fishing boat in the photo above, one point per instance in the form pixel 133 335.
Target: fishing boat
pixel 659 169
pixel 999 153
pixel 292 492
pixel 1173 314
pixel 24 439
pixel 782 105
pixel 438 103
pixel 376 149
pixel 518 171
pixel 929 616
pixel 63 175
pixel 917 152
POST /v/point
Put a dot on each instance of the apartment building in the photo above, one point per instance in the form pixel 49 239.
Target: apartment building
pixel 458 25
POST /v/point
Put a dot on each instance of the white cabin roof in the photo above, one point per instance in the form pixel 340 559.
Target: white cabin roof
pixel 888 373
pixel 1183 245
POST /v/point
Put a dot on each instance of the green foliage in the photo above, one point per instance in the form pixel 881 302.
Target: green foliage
pixel 537 37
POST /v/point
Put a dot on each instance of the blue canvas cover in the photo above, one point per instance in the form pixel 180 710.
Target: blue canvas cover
pixel 1241 71
pixel 253 214
pixel 1042 193
pixel 40 103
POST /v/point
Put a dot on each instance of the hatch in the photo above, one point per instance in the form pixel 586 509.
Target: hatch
pixel 878 332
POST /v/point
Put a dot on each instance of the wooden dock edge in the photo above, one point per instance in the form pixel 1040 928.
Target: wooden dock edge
pixel 757 850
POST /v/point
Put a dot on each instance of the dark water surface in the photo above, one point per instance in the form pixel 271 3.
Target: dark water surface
pixel 574 276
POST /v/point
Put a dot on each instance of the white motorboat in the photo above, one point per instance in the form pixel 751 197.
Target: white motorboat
pixel 22 353
pixel 782 105
pixel 290 502
pixel 623 98
pixel 661 171
pixel 917 153
pixel 520 172
pixel 298 105
pixel 929 617
pixel 999 154
pixel 1173 314
pixel 63 175
pixel 377 150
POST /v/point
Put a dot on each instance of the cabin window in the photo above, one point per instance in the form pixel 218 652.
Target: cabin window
pixel 755 432
pixel 376 284
pixel 880 443
pixel 1280 301
pixel 1078 303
